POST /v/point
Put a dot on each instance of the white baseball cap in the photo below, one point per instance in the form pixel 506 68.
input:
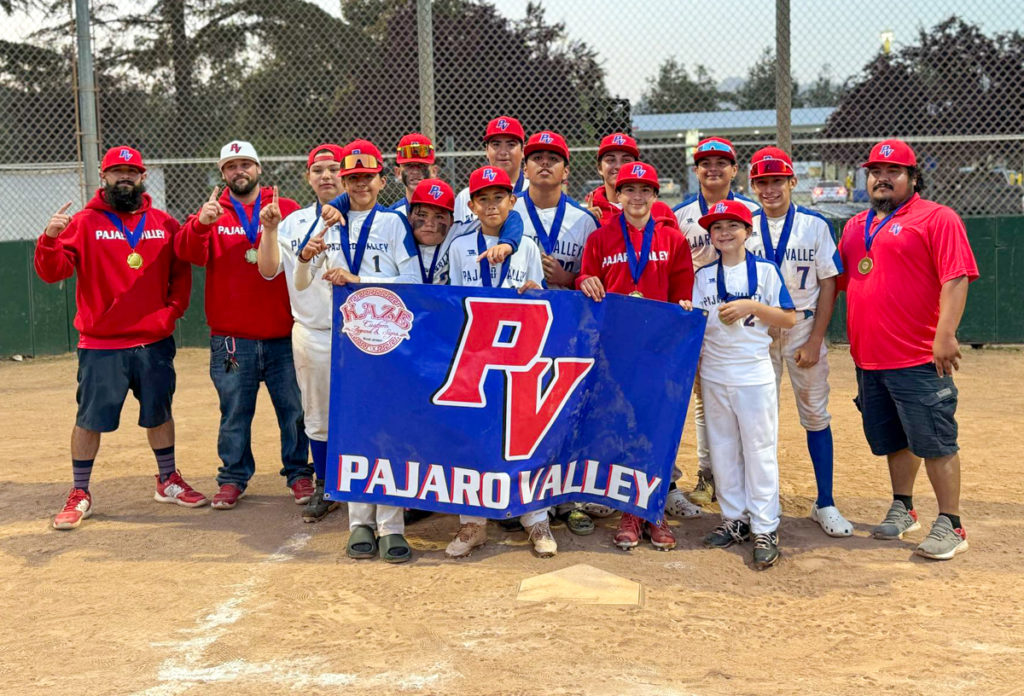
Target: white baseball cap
pixel 237 149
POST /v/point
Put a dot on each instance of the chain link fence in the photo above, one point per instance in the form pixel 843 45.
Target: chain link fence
pixel 179 78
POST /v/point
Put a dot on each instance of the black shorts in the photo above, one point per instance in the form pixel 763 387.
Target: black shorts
pixel 106 375
pixel 910 407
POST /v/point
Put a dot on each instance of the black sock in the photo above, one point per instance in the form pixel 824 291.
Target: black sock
pixel 955 519
pixel 81 470
pixel 672 486
pixel 907 500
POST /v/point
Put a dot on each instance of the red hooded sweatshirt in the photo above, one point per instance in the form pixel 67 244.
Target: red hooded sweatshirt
pixel 119 306
pixel 661 212
pixel 239 301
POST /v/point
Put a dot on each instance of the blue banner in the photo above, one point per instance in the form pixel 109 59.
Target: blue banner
pixel 485 402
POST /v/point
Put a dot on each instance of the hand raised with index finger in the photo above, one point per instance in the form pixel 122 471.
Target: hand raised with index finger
pixel 211 209
pixel 58 221
pixel 270 216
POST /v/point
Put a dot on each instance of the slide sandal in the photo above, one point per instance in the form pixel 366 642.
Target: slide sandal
pixel 394 548
pixel 362 543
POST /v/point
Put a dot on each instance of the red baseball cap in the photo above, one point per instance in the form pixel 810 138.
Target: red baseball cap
pixel 505 125
pixel 637 173
pixel 415 148
pixel 729 209
pixel 892 151
pixel 122 155
pixel 771 161
pixel 714 147
pixel 485 177
pixel 361 157
pixel 547 141
pixel 618 141
pixel 326 151
pixel 434 192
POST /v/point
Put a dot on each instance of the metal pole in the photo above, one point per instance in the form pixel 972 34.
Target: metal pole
pixel 88 130
pixel 425 50
pixel 783 78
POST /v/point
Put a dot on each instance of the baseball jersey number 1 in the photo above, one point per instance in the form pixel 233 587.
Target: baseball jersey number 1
pixel 376 265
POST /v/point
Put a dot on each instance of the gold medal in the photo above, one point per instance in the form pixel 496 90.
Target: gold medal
pixel 636 293
pixel 865 265
pixel 135 260
pixel 250 255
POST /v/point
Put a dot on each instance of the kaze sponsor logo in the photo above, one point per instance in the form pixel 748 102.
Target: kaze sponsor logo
pixel 376 320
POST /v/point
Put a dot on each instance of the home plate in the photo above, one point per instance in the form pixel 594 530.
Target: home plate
pixel 582 584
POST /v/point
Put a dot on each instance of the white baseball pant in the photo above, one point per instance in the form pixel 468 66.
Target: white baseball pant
pixel 386 519
pixel 527 519
pixel 311 352
pixel 810 384
pixel 743 432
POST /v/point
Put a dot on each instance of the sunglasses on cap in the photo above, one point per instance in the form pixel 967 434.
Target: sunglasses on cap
pixel 714 146
pixel 770 167
pixel 360 161
pixel 415 150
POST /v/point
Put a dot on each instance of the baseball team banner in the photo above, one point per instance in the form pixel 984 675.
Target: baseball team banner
pixel 485 402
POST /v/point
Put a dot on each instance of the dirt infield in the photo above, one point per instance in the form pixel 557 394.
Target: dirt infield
pixel 155 599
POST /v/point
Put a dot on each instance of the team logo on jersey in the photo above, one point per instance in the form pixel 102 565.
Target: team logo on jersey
pixel 896 228
pixel 886 150
pixel 376 320
pixel 546 138
pixel 125 154
pixel 618 140
pixel 508 336
pixel 503 124
pixel 235 147
pixel 490 174
pixel 434 192
pixel 638 170
pixel 720 208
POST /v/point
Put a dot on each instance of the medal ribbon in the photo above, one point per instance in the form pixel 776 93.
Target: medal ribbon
pixel 704 204
pixel 869 237
pixel 725 296
pixel 777 255
pixel 364 235
pixel 309 233
pixel 548 240
pixel 519 182
pixel 130 236
pixel 428 276
pixel 637 265
pixel 485 265
pixel 251 227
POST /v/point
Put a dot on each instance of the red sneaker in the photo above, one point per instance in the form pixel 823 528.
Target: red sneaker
pixel 628 534
pixel 77 507
pixel 661 535
pixel 175 490
pixel 227 497
pixel 303 490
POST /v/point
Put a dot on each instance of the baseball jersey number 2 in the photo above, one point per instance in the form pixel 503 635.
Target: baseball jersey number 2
pixel 749 321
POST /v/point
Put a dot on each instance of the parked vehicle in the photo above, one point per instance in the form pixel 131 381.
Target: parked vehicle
pixel 828 192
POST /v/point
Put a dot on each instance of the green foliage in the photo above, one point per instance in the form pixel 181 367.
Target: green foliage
pixel 674 91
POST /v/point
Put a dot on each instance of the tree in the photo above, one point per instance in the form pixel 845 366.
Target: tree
pixel 823 91
pixel 758 90
pixel 674 91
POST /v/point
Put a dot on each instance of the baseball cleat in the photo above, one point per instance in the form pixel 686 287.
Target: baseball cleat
pixel 728 533
pixel 766 550
pixel 627 536
pixel 898 521
pixel 703 493
pixel 470 536
pixel 318 507
pixel 77 507
pixel 175 490
pixel 661 535
pixel 544 543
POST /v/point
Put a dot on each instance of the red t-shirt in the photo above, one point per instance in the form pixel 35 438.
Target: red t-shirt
pixel 239 301
pixel 892 311
pixel 118 306
pixel 668 275
pixel 659 211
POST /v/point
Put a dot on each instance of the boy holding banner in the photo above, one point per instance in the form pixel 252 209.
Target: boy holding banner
pixel 374 246
pixel 744 296
pixel 491 200
pixel 637 255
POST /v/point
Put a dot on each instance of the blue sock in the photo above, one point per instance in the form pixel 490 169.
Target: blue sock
pixel 819 444
pixel 319 450
pixel 81 470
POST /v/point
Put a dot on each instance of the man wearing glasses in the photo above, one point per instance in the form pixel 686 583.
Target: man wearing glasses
pixel 414 162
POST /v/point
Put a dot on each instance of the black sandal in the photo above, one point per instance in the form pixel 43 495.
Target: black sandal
pixel 394 548
pixel 362 543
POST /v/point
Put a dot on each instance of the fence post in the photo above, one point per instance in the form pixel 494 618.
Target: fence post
pixel 783 78
pixel 425 51
pixel 87 127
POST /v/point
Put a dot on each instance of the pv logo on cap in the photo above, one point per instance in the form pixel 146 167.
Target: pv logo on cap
pixel 886 150
pixel 546 138
pixel 720 208
pixel 357 151
pixel 125 154
pixel 638 170
pixel 502 124
pixel 490 174
pixel 235 147
pixel 618 140
pixel 434 192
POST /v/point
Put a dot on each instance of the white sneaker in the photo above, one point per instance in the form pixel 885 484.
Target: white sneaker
pixel 543 540
pixel 677 505
pixel 469 537
pixel 832 521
